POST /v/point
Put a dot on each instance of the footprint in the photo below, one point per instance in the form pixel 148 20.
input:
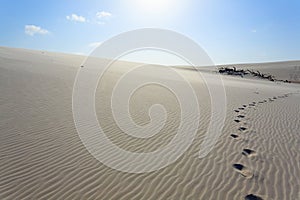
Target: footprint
pixel 242 128
pixel 244 106
pixel 236 111
pixel 252 197
pixel 237 121
pixel 234 136
pixel 249 152
pixel 241 116
pixel 244 171
pixel 241 108
pixel 274 97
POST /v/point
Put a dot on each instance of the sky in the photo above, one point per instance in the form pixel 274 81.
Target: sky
pixel 230 31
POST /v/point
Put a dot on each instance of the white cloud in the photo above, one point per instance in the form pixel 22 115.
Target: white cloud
pixel 103 14
pixel 32 30
pixel 76 18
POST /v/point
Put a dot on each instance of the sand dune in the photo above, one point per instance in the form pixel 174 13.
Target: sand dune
pixel 42 157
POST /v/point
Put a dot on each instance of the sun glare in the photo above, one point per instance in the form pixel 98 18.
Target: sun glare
pixel 153 6
pixel 154 10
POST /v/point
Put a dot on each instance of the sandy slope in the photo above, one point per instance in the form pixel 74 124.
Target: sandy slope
pixel 42 156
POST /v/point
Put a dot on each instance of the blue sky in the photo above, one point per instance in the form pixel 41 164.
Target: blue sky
pixel 231 31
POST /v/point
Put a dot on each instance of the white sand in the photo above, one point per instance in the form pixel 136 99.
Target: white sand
pixel 42 156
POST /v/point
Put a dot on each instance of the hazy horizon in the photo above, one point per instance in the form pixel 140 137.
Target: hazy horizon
pixel 156 63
